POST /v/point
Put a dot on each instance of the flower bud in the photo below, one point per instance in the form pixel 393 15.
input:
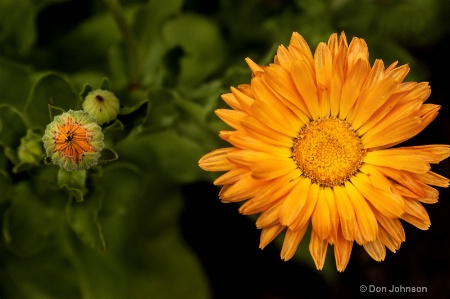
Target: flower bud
pixel 73 140
pixel 101 104
pixel 30 149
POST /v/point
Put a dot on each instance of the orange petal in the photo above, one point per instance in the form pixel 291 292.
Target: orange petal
pixel 386 202
pixel 318 250
pixel 342 251
pixel 269 233
pixel 217 160
pixel 376 250
pixel 367 223
pixel 291 241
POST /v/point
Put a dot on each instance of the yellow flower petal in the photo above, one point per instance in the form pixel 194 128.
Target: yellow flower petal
pixel 346 213
pixel 367 223
pixel 321 217
pixel 269 233
pixel 318 249
pixel 397 160
pixel 291 241
pixel 387 203
pixel 217 160
pixel 376 250
pixel 304 81
pixel 295 202
pixel 342 251
pixel 416 214
pixel 273 168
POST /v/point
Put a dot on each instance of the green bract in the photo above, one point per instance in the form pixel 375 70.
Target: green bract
pixel 73 140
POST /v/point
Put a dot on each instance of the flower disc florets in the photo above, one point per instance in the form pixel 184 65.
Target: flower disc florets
pixel 73 140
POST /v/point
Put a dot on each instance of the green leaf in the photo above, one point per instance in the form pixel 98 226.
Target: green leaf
pixel 164 152
pixel 27 222
pixel 113 133
pixel 5 185
pixel 15 83
pixel 18 27
pixel 86 46
pixel 147 26
pixel 11 154
pixel 163 112
pixel 74 182
pixel 83 219
pixel 134 116
pixel 12 127
pixel 51 89
pixel 202 44
pixel 122 184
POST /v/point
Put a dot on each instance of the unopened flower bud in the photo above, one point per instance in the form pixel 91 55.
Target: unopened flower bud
pixel 73 140
pixel 101 104
pixel 30 149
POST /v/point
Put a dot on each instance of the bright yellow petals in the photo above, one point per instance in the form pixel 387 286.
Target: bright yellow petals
pixel 217 160
pixel 291 241
pixel 312 139
pixel 376 250
pixel 318 250
pixel 296 201
pixel 342 251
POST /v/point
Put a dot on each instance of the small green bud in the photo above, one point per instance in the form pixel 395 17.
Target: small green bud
pixel 30 149
pixel 101 104
pixel 73 140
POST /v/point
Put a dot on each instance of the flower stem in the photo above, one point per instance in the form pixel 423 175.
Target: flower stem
pixel 130 42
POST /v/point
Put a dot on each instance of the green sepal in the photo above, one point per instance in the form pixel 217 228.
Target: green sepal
pixel 105 84
pixel 108 156
pixel 54 111
pixel 82 217
pixel 74 182
pixel 87 88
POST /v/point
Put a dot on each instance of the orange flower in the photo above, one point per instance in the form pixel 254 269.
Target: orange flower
pixel 73 140
pixel 311 147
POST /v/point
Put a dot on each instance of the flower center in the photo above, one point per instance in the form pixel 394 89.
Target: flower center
pixel 72 140
pixel 328 151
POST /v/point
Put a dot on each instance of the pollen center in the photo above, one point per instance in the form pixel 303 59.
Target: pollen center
pixel 72 140
pixel 328 151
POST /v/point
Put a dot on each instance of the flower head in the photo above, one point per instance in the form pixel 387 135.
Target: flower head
pixel 30 149
pixel 311 147
pixel 73 140
pixel 102 105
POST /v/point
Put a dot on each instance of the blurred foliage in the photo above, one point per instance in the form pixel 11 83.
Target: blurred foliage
pixel 113 231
